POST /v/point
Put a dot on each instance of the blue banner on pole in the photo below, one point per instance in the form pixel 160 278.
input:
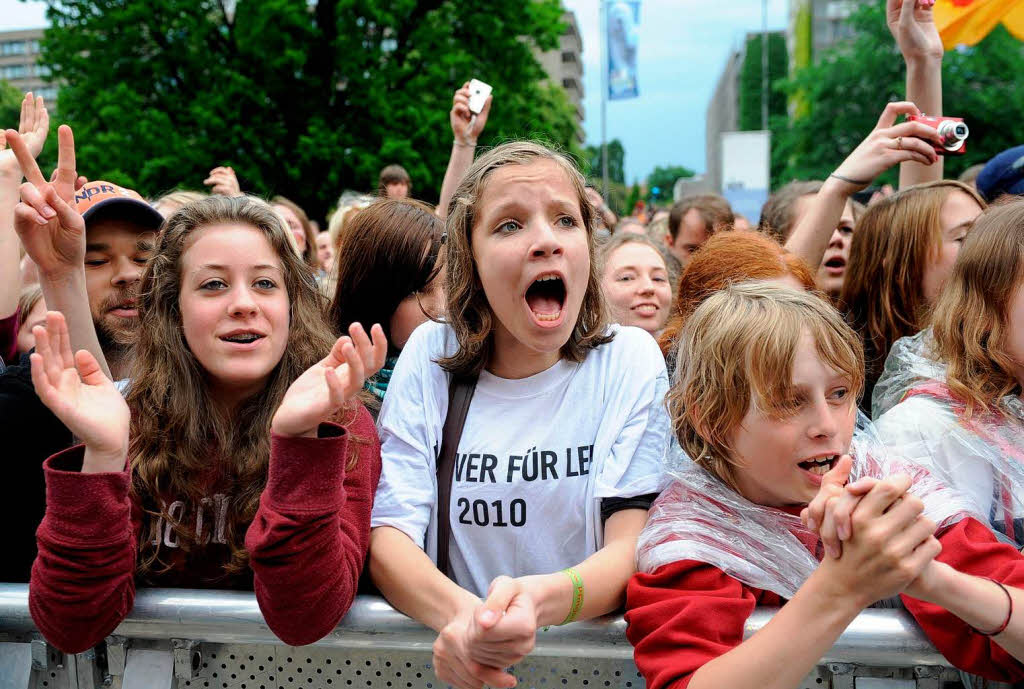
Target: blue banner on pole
pixel 623 39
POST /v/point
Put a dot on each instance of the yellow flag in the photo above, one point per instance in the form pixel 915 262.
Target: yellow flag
pixel 966 22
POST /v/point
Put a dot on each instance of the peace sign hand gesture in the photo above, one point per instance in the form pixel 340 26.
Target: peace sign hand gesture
pixel 329 384
pixel 33 127
pixel 50 227
pixel 75 389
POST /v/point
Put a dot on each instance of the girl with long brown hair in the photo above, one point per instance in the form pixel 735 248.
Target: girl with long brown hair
pixel 902 253
pixel 559 453
pixel 220 469
pixel 958 386
pixel 389 273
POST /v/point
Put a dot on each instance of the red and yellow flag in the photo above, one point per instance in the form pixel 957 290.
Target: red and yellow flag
pixel 965 22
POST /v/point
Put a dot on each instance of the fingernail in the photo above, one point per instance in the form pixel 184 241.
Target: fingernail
pixel 832 552
pixel 41 220
pixel 488 616
pixel 844 533
pixel 811 524
pixel 49 212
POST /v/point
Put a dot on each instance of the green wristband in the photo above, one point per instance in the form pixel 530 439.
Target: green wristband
pixel 577 594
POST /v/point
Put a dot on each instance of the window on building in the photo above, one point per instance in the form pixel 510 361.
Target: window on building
pixel 12 48
pixel 13 72
pixel 42 71
pixel 568 56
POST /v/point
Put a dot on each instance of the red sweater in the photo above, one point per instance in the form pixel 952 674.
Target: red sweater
pixel 307 542
pixel 687 613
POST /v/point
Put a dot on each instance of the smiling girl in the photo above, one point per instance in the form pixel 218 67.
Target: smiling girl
pixel 219 471
pixel 560 451
pixel 765 403
pixel 636 283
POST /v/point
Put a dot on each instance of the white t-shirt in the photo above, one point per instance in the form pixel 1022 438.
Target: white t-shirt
pixel 535 459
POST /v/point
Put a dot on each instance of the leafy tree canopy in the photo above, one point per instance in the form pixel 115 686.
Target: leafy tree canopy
pixel 664 179
pixel 302 97
pixel 616 162
pixel 843 94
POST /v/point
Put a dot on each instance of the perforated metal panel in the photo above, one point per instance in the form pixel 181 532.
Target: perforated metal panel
pixel 226 666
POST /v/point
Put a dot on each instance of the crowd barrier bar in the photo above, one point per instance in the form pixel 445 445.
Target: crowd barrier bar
pixel 182 620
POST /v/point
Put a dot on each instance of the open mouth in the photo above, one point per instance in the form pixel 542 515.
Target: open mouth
pixel 819 466
pixel 836 264
pixel 242 337
pixel 546 298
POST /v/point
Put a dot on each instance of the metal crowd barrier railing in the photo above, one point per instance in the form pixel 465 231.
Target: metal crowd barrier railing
pixel 218 640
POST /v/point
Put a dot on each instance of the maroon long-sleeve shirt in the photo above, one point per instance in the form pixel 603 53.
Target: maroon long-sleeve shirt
pixel 307 543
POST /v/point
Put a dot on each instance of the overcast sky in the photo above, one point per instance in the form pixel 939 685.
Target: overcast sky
pixel 684 45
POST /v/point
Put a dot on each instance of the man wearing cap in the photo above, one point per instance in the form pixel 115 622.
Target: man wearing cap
pixel 1004 174
pixel 90 247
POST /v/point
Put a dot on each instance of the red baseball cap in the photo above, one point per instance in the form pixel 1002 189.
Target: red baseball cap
pixel 105 199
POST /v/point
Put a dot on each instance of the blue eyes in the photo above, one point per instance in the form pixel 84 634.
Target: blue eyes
pixel 216 285
pixel 510 226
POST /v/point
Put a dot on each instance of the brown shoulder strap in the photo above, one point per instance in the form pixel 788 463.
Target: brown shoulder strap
pixel 460 394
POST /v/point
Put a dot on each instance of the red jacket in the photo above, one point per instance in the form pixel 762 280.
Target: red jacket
pixel 686 613
pixel 307 543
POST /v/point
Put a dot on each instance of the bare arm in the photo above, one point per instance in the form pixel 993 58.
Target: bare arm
pixel 888 144
pixel 33 128
pixel 434 599
pixel 605 574
pixel 53 233
pixel 465 131
pixel 913 27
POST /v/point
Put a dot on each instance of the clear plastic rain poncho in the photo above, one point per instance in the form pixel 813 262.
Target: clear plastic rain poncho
pixel 983 456
pixel 699 517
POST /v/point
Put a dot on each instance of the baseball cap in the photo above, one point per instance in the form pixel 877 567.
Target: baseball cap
pixel 107 200
pixel 1004 174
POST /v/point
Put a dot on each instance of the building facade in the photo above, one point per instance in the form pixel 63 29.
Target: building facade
pixel 722 116
pixel 19 55
pixel 564 66
pixel 815 26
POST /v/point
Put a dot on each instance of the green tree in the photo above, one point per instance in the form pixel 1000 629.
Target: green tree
pixel 844 92
pixel 750 80
pixel 664 179
pixel 634 195
pixel 303 98
pixel 616 161
pixel 10 106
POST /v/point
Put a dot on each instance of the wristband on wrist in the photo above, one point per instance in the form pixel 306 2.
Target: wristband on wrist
pixel 1009 613
pixel 465 144
pixel 577 594
pixel 857 182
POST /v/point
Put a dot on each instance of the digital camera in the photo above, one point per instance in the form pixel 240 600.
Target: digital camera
pixel 953 130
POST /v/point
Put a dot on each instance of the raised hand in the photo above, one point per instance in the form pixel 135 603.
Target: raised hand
pixel 46 220
pixel 912 24
pixel 75 389
pixel 889 144
pixel 33 128
pixel 329 384
pixel 223 181
pixel 461 117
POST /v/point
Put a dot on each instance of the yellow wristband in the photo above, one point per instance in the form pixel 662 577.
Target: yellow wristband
pixel 577 594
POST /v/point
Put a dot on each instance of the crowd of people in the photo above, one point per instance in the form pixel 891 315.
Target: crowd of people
pixel 515 410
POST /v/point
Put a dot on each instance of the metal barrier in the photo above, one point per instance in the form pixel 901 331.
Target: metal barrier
pixel 218 640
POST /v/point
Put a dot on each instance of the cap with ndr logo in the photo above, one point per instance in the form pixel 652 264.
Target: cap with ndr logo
pixel 96 200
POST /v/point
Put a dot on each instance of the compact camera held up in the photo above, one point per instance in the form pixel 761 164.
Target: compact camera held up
pixel 953 130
